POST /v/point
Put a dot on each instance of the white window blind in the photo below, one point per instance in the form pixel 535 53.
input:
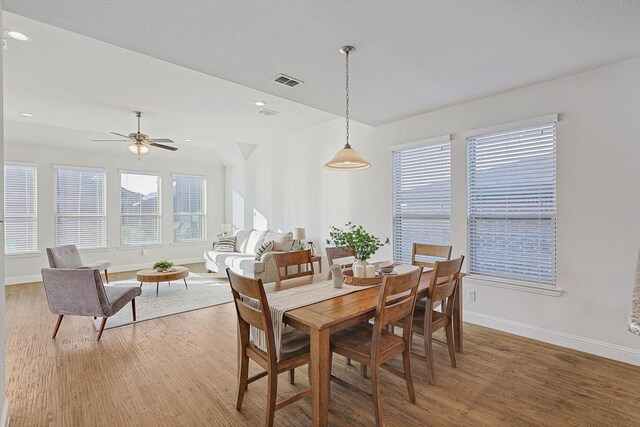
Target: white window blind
pixel 512 204
pixel 21 208
pixel 421 198
pixel 80 208
pixel 140 209
pixel 189 208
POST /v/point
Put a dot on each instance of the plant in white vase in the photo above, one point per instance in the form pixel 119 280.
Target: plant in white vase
pixel 364 244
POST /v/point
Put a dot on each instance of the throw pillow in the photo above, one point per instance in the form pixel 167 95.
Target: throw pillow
pixel 265 247
pixel 282 242
pixel 225 244
pixel 256 238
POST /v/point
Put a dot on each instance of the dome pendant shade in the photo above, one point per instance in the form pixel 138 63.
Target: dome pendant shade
pixel 347 159
pixel 138 149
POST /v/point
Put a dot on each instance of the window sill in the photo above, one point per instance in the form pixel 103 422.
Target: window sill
pixel 30 254
pixel 90 250
pixel 139 247
pixel 189 242
pixel 513 284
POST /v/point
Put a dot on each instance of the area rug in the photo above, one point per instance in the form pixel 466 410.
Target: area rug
pixel 172 299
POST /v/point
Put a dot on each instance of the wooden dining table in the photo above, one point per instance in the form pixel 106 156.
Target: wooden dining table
pixel 324 318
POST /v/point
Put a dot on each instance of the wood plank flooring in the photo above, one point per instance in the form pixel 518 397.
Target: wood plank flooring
pixel 181 371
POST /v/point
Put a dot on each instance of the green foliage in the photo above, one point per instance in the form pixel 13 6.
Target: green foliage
pixel 355 237
pixel 162 265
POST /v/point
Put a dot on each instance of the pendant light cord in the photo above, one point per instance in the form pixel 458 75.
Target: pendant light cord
pixel 347 98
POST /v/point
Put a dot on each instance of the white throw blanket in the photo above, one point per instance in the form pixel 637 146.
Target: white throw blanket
pixel 289 299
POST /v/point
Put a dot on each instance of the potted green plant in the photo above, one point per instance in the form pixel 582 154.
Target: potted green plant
pixel 357 238
pixel 161 266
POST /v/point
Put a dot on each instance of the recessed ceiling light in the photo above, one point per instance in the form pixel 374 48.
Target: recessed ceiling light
pixel 26 114
pixel 187 140
pixel 17 35
pixel 260 103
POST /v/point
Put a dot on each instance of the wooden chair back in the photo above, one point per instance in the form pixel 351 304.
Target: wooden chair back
pixel 431 251
pixel 284 260
pixel 444 280
pixel 338 253
pixel 259 317
pixel 396 303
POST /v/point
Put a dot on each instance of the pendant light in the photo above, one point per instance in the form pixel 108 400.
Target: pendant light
pixel 347 158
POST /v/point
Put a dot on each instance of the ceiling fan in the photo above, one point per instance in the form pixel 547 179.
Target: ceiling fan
pixel 140 141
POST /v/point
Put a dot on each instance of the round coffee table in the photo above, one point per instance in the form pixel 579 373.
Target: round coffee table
pixel 147 276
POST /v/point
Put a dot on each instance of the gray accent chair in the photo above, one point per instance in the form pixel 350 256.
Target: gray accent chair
pixel 80 292
pixel 67 256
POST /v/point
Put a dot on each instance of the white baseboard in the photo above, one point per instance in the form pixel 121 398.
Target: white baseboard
pixel 587 345
pixel 4 422
pixel 16 280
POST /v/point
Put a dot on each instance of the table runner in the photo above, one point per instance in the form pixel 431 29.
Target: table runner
pixel 292 298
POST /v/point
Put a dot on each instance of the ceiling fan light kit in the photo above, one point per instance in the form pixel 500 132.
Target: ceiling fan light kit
pixel 140 142
pixel 347 158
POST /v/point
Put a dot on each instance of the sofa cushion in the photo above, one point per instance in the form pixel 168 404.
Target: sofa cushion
pixel 241 239
pixel 221 257
pixel 255 240
pixel 245 264
pixel 225 244
pixel 266 246
pixel 282 242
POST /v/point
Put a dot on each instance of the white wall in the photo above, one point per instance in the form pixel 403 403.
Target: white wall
pixel 20 269
pixel 598 176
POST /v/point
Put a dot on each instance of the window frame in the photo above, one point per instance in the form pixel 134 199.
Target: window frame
pixel 511 282
pixel 7 219
pixel 158 175
pixel 203 214
pixel 104 204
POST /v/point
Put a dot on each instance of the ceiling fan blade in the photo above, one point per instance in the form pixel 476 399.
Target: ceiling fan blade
pixel 114 140
pixel 165 140
pixel 119 134
pixel 166 147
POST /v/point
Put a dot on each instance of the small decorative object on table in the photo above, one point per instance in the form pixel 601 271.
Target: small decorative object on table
pixel 386 267
pixel 336 275
pixel 364 244
pixel 350 279
pixel 162 266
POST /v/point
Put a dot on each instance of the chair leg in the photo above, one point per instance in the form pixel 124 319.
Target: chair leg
pixel 348 361
pixel 55 330
pixel 271 399
pixel 133 308
pixel 428 350
pixel 363 370
pixel 375 392
pixel 292 376
pixel 102 324
pixel 406 359
pixel 106 275
pixel 243 374
pixel 450 344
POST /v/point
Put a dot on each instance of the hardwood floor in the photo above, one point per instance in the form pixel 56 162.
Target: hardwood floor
pixel 181 371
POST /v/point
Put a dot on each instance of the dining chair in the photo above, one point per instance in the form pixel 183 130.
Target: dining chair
pixel 294 345
pixel 425 255
pixel 80 292
pixel 340 253
pixel 67 256
pixel 284 260
pixel 373 345
pixel 442 287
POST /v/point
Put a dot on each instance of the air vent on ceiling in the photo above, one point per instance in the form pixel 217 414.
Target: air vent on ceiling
pixel 287 80
pixel 267 112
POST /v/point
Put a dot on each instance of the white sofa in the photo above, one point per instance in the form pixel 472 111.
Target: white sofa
pixel 243 259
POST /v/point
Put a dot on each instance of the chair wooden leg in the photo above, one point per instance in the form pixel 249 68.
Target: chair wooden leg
pixel 363 370
pixel 55 330
pixel 450 344
pixel 292 376
pixel 375 394
pixel 428 350
pixel 406 359
pixel 102 324
pixel 271 399
pixel 243 374
pixel 106 275
pixel 348 361
pixel 133 308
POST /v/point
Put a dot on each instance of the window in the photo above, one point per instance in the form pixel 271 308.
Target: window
pixel 421 197
pixel 512 204
pixel 80 208
pixel 189 208
pixel 139 209
pixel 21 208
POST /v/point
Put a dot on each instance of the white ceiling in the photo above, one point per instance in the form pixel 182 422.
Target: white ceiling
pixel 78 89
pixel 411 57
